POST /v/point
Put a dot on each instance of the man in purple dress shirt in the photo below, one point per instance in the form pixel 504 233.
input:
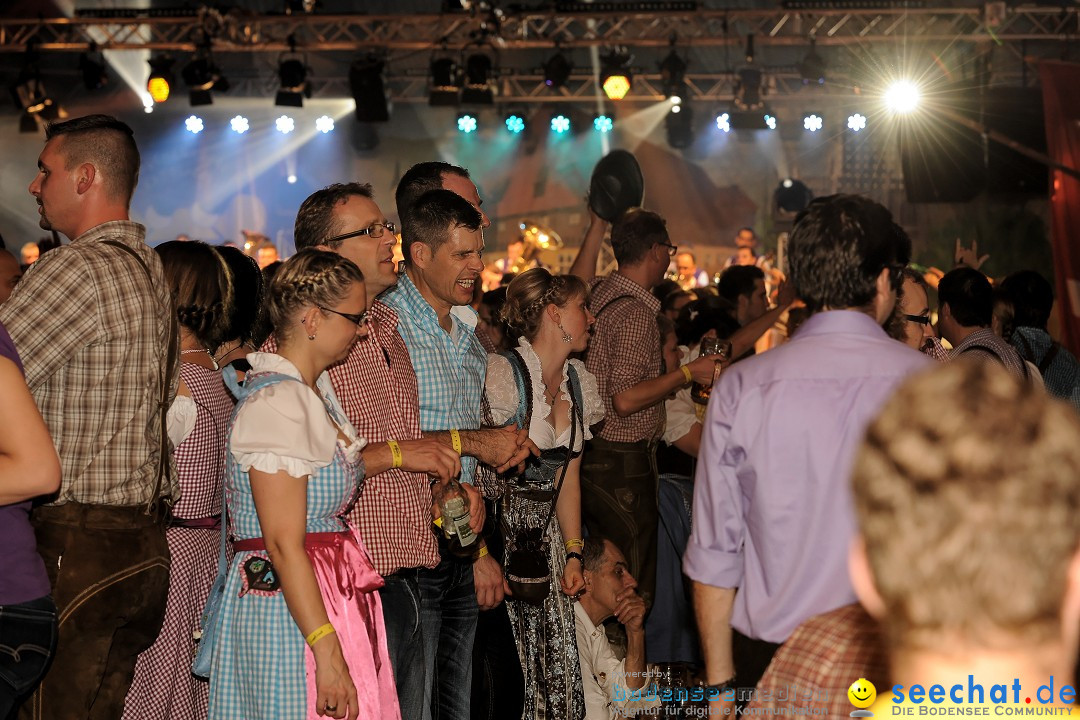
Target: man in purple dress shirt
pixel 773 513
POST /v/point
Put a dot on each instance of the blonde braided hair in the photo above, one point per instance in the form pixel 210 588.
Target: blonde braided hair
pixel 310 277
pixel 531 292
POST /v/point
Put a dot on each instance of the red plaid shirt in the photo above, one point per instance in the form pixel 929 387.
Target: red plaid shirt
pixel 376 386
pixel 625 350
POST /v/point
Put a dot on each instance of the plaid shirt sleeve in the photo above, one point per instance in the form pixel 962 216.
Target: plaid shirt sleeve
pixel 635 345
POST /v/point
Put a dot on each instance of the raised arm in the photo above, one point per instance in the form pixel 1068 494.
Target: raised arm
pixel 584 265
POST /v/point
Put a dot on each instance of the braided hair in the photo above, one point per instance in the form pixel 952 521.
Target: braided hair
pixel 531 292
pixel 202 288
pixel 310 277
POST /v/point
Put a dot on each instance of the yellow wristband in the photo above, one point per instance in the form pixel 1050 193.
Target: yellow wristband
pixel 576 542
pixel 320 633
pixel 395 451
pixel 455 438
pixel 686 372
pixel 481 553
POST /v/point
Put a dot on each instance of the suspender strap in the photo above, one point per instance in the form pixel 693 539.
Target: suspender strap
pixel 165 376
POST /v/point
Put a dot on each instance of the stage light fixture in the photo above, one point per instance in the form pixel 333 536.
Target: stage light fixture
pixel 93 71
pixel 285 124
pixel 672 77
pixel 770 121
pixel 902 97
pixel 161 78
pixel 466 123
pixel 723 122
pixel 680 127
pixel 292 75
pixel 792 195
pixel 201 76
pixel 368 89
pixel 813 122
pixel 194 124
pixel 515 123
pixel 603 124
pixel 812 68
pixel 31 97
pixel 291 178
pixel 856 122
pixel 615 76
pixel 479 88
pixel 445 88
pixel 560 124
pixel 557 70
pixel 239 124
pixel 324 124
pixel 749 88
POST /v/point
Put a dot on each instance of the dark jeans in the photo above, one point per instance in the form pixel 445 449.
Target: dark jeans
pixel 448 609
pixel 498 689
pixel 27 641
pixel 752 658
pixel 109 569
pixel 405 639
pixel 619 491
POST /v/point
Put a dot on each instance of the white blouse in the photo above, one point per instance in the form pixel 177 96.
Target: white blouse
pixel 181 419
pixel 502 395
pixel 286 426
pixel 681 410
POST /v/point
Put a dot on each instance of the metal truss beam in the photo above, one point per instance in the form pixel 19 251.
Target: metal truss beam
pixel 238 31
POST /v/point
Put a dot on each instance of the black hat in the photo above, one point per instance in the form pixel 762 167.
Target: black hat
pixel 616 185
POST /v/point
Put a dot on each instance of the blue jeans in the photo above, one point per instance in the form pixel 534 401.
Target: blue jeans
pixel 448 609
pixel 405 640
pixel 27 642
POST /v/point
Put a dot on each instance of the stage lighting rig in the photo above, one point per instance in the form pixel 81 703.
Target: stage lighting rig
pixel 479 87
pixel 557 70
pixel 445 87
pixel 368 89
pixel 616 78
pixel 161 79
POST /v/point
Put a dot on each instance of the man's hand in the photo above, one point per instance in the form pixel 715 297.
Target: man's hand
pixel 490 584
pixel 429 456
pixel 785 294
pixel 630 610
pixel 969 256
pixel 703 368
pixel 502 448
pixel 477 509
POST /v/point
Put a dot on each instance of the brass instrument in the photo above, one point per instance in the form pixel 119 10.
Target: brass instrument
pixel 536 238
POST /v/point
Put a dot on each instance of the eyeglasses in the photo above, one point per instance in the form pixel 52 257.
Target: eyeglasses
pixel 375 230
pixel 360 319
pixel 672 250
pixel 921 319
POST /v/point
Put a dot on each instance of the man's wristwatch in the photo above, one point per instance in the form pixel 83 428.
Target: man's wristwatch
pixel 722 687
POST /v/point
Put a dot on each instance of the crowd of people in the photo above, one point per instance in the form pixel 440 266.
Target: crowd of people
pixel 333 486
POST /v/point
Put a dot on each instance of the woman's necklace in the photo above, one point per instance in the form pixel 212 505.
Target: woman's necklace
pixel 202 350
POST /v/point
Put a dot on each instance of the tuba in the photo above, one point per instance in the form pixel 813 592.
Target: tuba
pixel 537 238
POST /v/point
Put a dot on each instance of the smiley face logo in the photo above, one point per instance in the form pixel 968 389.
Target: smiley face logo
pixel 862 693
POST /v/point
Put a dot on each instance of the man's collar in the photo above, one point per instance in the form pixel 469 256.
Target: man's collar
pixel 113 228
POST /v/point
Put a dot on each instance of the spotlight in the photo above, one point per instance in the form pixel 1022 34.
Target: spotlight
pixel 672 74
pixel 291 179
pixel 466 123
pixel 792 195
pixel 161 78
pixel 723 122
pixel 770 121
pixel 902 97
pixel 615 75
pixel 812 68
pixel 194 124
pixel 31 98
pixel 479 89
pixel 677 107
pixel 201 76
pixel 368 89
pixel 93 71
pixel 749 89
pixel 557 70
pixel 445 83
pixel 603 124
pixel 239 124
pixel 285 124
pixel 680 130
pixel 292 74
pixel 856 122
pixel 813 122
pixel 515 124
pixel 324 124
pixel 560 124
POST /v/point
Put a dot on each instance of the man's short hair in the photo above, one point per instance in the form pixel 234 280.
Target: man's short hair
pixel 592 553
pixel 967 492
pixel 433 217
pixel 1031 297
pixel 969 295
pixel 689 255
pixel 106 143
pixel 839 246
pixel 668 301
pixel 635 233
pixel 422 178
pixel 739 280
pixel 315 221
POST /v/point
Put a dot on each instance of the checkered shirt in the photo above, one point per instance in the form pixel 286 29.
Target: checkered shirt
pixel 450 367
pixel 625 350
pixel 93 333
pixel 376 387
pixel 817 664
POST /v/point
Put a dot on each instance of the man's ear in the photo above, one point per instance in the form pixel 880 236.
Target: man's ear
pixel 862 579
pixel 944 311
pixel 84 177
pixel 420 254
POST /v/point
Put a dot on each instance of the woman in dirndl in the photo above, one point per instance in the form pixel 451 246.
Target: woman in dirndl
pixel 301 633
pixel 539 386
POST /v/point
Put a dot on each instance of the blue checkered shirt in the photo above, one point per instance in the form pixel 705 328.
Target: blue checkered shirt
pixel 450 367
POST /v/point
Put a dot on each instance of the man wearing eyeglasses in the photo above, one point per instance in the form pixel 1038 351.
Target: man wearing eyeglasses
pixel 914 308
pixel 619 481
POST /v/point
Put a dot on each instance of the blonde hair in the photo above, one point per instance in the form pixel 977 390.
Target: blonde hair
pixel 310 277
pixel 533 290
pixel 967 492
